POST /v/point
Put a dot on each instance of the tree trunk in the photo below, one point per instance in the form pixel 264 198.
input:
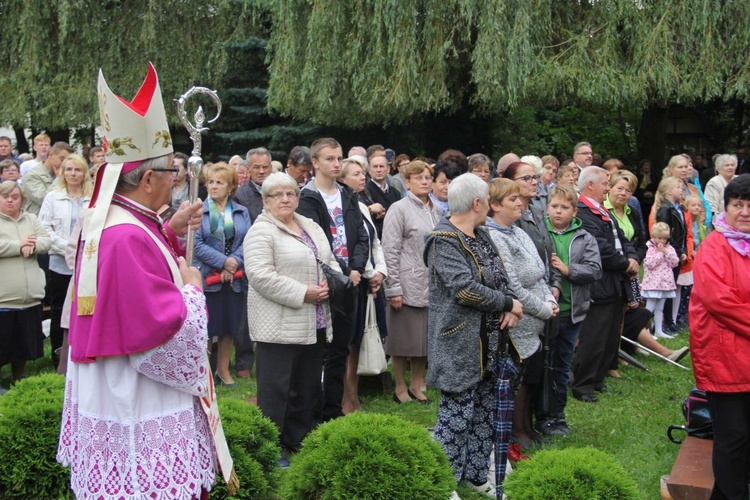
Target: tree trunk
pixel 22 145
pixel 739 116
pixel 652 136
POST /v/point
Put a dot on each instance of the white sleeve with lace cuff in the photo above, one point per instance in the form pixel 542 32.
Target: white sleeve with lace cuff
pixel 181 362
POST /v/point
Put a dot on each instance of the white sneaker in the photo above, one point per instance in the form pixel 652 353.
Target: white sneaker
pixel 485 489
pixel 662 335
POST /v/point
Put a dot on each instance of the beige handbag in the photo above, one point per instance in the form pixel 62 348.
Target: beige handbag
pixel 371 354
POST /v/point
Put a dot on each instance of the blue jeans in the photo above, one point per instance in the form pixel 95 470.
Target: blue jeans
pixel 561 350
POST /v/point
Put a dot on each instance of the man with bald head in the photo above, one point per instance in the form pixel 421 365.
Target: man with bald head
pixel 359 151
pixel 503 163
pixel 235 161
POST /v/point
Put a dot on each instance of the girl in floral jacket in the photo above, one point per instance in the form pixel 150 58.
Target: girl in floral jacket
pixel 658 278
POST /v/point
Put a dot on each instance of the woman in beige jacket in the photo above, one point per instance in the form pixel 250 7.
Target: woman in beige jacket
pixel 405 226
pixel 288 313
pixel 22 238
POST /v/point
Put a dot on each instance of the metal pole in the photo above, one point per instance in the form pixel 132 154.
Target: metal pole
pixel 195 162
pixel 654 353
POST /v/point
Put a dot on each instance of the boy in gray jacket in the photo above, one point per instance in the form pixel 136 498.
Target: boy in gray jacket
pixel 577 258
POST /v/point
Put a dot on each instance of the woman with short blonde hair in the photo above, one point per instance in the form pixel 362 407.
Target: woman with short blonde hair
pixel 352 174
pixel 406 223
pixel 22 287
pixel 219 256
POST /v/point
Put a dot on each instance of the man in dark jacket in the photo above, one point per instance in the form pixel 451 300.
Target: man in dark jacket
pixel 259 163
pixel 600 333
pixel 380 190
pixel 248 195
pixel 335 209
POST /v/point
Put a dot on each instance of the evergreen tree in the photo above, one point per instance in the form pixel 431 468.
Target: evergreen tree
pixel 245 121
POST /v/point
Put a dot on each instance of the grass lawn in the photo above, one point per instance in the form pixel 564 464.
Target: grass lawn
pixel 629 423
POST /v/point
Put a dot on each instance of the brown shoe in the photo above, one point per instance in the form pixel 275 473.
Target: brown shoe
pixel 243 373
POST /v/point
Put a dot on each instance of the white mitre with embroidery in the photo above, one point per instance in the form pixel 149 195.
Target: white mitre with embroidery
pixel 134 131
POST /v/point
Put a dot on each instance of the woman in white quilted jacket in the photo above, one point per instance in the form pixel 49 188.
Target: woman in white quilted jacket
pixel 288 313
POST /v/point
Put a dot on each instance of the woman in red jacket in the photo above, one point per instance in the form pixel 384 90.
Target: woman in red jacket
pixel 720 338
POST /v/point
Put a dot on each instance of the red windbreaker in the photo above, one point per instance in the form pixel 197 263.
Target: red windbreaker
pixel 720 317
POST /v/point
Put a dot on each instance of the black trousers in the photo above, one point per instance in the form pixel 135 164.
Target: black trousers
pixel 289 387
pixel 598 346
pixel 668 311
pixel 244 357
pixel 334 363
pixel 730 413
pixel 43 261
pixel 58 287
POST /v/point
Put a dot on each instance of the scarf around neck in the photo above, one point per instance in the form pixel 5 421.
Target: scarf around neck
pixel 737 239
pixel 222 225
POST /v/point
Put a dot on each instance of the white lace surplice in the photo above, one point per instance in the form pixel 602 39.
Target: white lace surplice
pixel 132 426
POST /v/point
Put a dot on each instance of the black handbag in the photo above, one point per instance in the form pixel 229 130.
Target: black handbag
pixel 698 421
pixel 340 289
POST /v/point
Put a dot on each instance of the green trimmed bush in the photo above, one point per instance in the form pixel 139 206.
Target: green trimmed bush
pixel 369 456
pixel 29 430
pixel 252 440
pixel 570 474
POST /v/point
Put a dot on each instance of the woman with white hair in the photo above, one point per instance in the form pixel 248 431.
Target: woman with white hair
pixel 290 319
pixel 472 360
pixel 543 188
pixel 726 166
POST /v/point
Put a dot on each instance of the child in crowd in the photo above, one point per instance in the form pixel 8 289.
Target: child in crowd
pixel 577 258
pixel 693 205
pixel 658 278
pixel 567 175
pixel 669 196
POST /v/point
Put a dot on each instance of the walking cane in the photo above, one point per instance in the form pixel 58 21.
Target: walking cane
pixel 195 162
pixel 654 353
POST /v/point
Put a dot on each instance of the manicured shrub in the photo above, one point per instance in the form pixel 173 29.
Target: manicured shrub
pixel 570 474
pixel 252 440
pixel 29 430
pixel 369 456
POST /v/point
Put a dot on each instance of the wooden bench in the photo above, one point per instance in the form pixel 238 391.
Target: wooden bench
pixel 692 477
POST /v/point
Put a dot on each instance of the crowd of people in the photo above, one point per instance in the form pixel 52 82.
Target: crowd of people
pixel 501 284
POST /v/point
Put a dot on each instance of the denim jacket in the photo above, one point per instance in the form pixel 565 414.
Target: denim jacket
pixel 209 250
